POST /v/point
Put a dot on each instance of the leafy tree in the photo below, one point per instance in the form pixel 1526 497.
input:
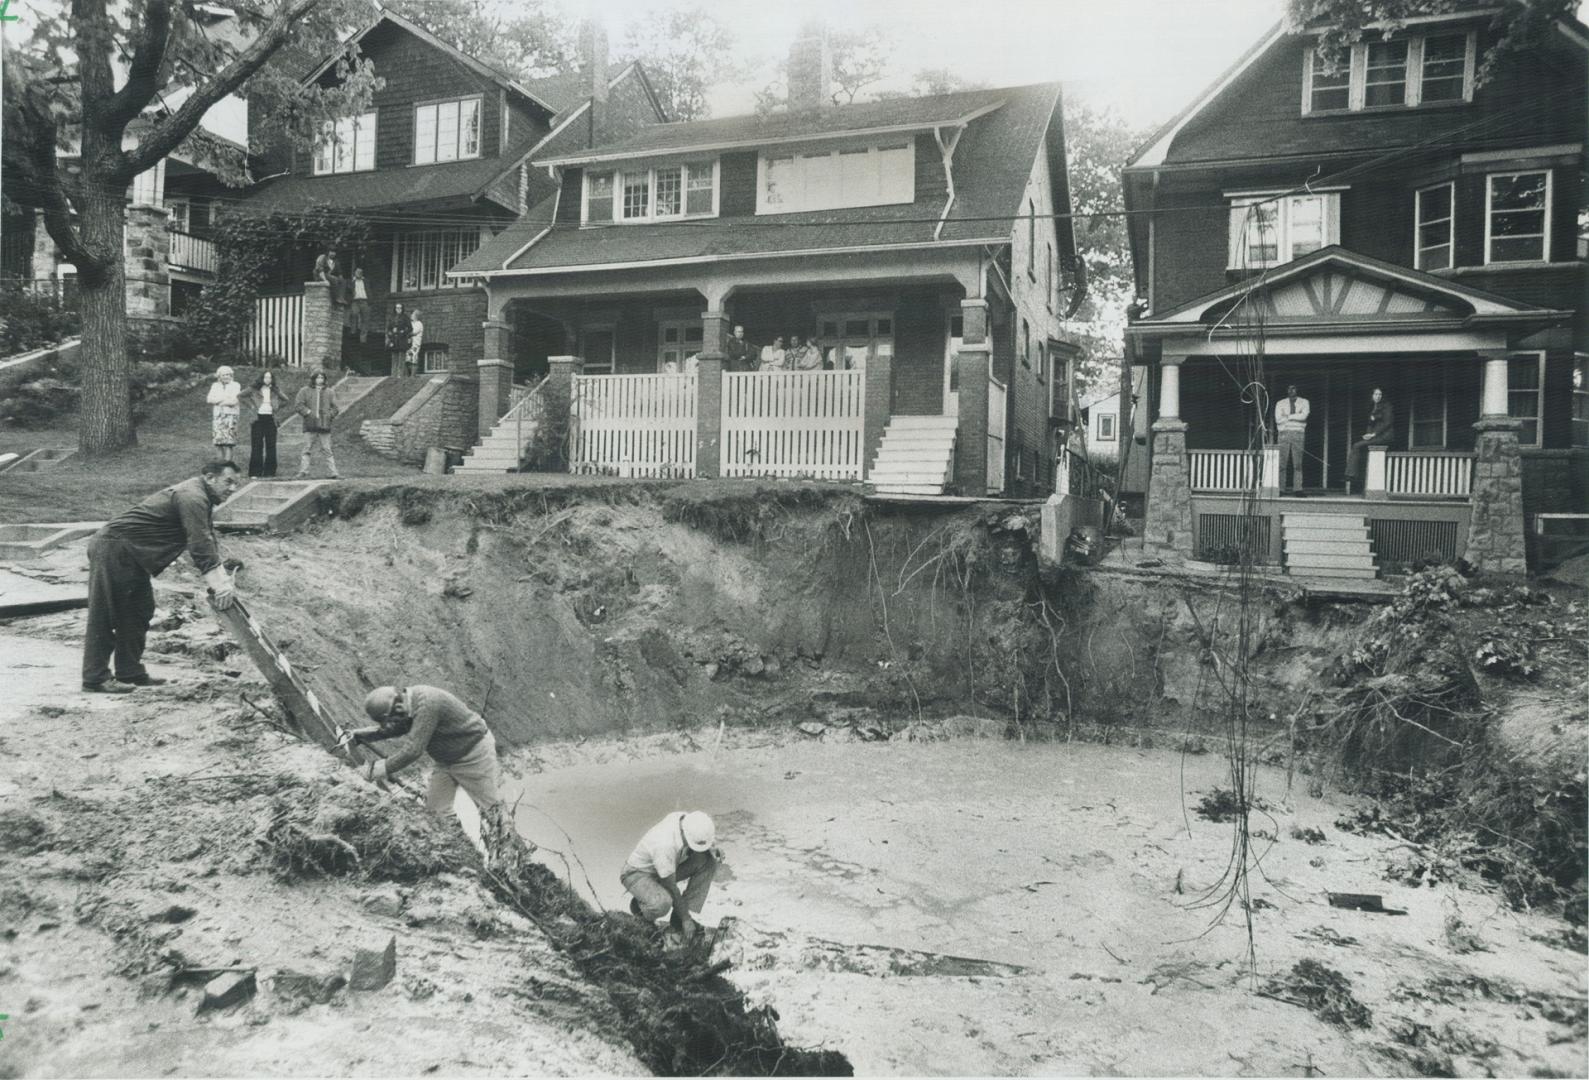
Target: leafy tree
pixel 102 93
pixel 861 58
pixel 928 81
pixel 1520 24
pixel 524 39
pixel 685 51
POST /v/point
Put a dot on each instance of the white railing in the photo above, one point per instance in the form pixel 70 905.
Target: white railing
pixel 633 425
pixel 192 253
pixel 997 396
pixel 1220 470
pixel 1429 472
pixel 794 423
pixel 524 412
pixel 277 329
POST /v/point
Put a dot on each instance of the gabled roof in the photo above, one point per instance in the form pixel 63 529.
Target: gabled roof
pixel 867 118
pixel 478 67
pixel 562 91
pixel 1341 288
pixel 992 162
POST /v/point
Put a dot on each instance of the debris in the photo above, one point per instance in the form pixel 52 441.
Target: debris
pixel 227 989
pixel 1363 902
pixel 1221 804
pixel 374 968
pixel 1328 935
pixel 168 913
pixel 1309 835
pixel 299 989
pixel 1461 937
pixel 812 728
pixel 1322 990
pixel 387 902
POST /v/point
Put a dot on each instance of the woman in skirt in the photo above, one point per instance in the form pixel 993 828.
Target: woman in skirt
pixel 224 412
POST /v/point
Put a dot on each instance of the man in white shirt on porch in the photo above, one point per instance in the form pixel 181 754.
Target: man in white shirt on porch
pixel 1291 425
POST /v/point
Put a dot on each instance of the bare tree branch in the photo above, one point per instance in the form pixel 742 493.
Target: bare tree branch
pixel 143 74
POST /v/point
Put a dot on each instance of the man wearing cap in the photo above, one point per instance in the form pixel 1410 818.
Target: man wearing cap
pixel 677 848
pixel 432 721
pixel 128 552
pixel 1291 425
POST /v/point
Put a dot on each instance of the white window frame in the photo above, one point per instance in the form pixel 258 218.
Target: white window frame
pixel 763 207
pixel 400 243
pixel 1418 224
pixel 1580 394
pixel 842 339
pixel 369 121
pixel 651 216
pixel 681 346
pixel 1489 195
pixel 1413 419
pixel 1237 227
pixel 1357 77
pixel 1361 76
pixel 435 132
pixel 1107 429
pixel 1538 356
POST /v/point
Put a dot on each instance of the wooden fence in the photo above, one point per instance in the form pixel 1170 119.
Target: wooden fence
pixel 1425 472
pixel 277 330
pixel 634 425
pixel 794 423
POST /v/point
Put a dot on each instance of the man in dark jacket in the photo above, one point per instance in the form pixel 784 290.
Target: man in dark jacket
pixel 739 354
pixel 126 554
pixel 432 721
pixel 1381 422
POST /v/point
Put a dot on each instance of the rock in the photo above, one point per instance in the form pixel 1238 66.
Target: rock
pixel 774 665
pixel 386 902
pixel 812 728
pixel 227 989
pixel 374 968
pixel 711 672
pixel 753 666
pixel 168 913
pixel 301 988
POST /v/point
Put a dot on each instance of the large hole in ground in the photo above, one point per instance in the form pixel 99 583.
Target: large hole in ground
pixel 924 871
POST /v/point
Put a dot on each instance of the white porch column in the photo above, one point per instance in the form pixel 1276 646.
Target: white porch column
pixel 1493 402
pixel 1170 388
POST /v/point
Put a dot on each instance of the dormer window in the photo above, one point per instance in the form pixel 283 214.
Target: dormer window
pixel 1425 69
pixel 346 145
pixel 1270 229
pixel 447 131
pixel 656 193
pixel 834 179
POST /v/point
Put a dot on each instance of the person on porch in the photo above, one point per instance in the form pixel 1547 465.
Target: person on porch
pixel 1291 428
pixel 738 353
pixel 1381 421
pixel 399 335
pixel 804 356
pixel 773 356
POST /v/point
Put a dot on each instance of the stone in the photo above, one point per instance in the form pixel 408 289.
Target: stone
pixel 374 968
pixel 1169 513
pixel 227 989
pixel 387 902
pixel 168 913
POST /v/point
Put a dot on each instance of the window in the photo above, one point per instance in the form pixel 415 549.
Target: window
pixel 1580 399
pixel 1426 420
pixel 598 346
pixel 433 358
pixel 346 145
pixel 662 193
pixel 1270 230
pixel 1525 391
pixel 1385 74
pixel 1435 228
pixel 1517 222
pixel 179 215
pixel 1026 344
pixel 447 131
pixel 856 176
pixel 678 339
pixel 422 259
pixel 848 338
pixel 1106 427
pixel 1031 239
pixel 1406 72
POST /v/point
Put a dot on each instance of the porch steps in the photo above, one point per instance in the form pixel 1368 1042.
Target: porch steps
pixel 915 456
pixel 499 451
pixel 345 391
pixel 1327 545
pixel 268 505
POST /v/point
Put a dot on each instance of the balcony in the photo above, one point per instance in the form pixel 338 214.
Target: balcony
pixel 191 253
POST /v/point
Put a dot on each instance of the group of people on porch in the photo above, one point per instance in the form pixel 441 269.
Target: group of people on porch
pixel 740 355
pixel 1290 435
pixel 405 331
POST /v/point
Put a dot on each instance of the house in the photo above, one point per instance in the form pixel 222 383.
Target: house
pixel 437 166
pixel 923 245
pixel 1393 225
pixel 169 255
pixel 1109 426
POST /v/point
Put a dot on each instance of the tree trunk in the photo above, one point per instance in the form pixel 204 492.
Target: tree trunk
pixel 105 413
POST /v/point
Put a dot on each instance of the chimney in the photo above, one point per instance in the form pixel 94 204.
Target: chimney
pixel 593 68
pixel 810 70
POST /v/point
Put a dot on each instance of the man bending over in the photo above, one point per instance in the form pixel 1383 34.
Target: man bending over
pixel 677 848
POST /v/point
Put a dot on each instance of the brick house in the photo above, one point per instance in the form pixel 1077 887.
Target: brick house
pixel 913 241
pixel 438 165
pixel 1389 225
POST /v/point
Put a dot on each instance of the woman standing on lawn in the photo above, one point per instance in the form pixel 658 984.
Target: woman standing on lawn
pixel 314 403
pixel 224 412
pixel 266 400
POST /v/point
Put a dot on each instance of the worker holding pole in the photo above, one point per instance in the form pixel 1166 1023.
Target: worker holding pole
pixel 432 721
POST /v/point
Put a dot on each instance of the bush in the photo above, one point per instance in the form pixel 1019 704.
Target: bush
pixel 31 321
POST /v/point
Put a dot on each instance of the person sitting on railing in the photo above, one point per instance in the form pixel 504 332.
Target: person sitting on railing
pixel 1381 421
pixel 804 357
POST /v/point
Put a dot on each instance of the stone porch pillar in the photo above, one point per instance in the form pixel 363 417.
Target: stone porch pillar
pixel 1169 514
pixel 557 397
pixel 495 372
pixel 322 328
pixel 147 254
pixel 1495 530
pixel 972 373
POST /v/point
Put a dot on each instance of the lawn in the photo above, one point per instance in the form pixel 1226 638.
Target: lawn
pixel 173 441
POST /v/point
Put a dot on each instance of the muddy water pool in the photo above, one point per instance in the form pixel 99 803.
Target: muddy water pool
pixel 1081 876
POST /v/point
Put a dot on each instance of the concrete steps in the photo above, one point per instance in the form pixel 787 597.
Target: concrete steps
pixel 268 506
pixel 915 456
pixel 499 451
pixel 1327 545
pixel 345 392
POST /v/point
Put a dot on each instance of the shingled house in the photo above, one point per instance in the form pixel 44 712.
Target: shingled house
pixel 913 241
pixel 1388 224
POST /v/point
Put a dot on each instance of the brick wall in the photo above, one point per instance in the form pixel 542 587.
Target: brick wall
pixel 920 329
pixel 452 317
pixel 1555 481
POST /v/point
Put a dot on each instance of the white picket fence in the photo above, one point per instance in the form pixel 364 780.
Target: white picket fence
pixel 1220 470
pixel 997 396
pixel 794 423
pixel 1424 472
pixel 634 425
pixel 277 330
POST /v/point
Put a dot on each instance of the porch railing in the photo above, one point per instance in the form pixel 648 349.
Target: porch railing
pixel 794 423
pixel 634 425
pixel 1220 470
pixel 524 412
pixel 277 330
pixel 1429 472
pixel 193 253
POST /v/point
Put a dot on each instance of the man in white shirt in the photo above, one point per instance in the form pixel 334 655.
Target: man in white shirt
pixel 1291 425
pixel 415 343
pixel 677 848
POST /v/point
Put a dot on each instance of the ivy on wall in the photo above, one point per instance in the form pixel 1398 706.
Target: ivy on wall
pixel 249 246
